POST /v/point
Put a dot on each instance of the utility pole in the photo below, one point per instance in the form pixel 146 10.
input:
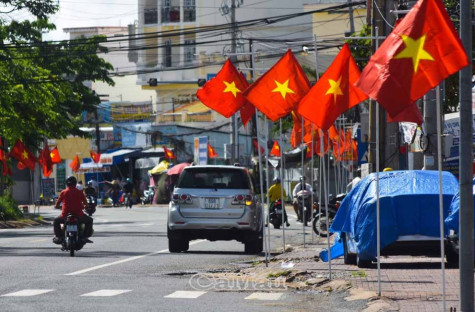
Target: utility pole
pixel 234 132
pixel 465 165
pixel 430 130
pixel 98 132
pixel 352 22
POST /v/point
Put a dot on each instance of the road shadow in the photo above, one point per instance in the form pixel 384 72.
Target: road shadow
pixel 103 233
pixel 55 251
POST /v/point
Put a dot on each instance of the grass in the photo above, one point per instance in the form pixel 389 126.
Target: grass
pixel 279 274
pixel 360 273
pixel 9 209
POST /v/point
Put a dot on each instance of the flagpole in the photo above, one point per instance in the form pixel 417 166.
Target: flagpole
pixel 266 131
pixel 325 193
pixel 317 76
pixel 261 181
pixel 303 214
pixel 378 225
pixel 441 200
pixel 281 189
pixel 313 191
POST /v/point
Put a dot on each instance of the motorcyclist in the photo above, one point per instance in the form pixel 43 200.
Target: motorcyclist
pixel 295 202
pixel 129 189
pixel 73 201
pixel 274 193
pixel 90 190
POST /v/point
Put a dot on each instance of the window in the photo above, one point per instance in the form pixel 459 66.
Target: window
pixel 171 11
pixel 203 178
pixel 150 16
pixel 190 51
pixel 189 11
pixel 167 54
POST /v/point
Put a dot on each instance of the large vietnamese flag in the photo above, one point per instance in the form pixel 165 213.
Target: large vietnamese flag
pixel 334 93
pixel 55 157
pixel 278 91
pixel 421 51
pixel 223 93
pixel 23 155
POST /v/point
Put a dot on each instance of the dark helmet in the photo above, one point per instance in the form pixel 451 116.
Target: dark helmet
pixel 302 178
pixel 276 180
pixel 128 180
pixel 71 181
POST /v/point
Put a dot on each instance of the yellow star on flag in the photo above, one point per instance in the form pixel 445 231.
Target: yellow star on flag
pixel 231 87
pixel 414 50
pixel 51 155
pixel 24 155
pixel 283 88
pixel 334 88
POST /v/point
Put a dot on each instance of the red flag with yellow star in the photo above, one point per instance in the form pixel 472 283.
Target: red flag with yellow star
pixel 23 155
pixel 96 157
pixel 223 93
pixel 278 91
pixel 169 155
pixel 75 164
pixel 45 160
pixel 55 157
pixel 334 93
pixel 275 151
pixel 212 152
pixel 421 51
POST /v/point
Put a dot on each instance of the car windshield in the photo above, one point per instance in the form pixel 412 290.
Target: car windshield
pixel 217 178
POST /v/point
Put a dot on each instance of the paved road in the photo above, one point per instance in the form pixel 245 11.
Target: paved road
pixel 128 268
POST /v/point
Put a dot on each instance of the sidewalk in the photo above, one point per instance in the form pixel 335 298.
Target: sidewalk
pixel 407 283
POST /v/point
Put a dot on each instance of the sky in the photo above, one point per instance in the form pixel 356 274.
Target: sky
pixel 86 13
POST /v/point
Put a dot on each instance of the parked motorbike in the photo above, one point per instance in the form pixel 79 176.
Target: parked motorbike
pixel 91 204
pixel 320 218
pixel 72 234
pixel 304 198
pixel 148 195
pixel 275 217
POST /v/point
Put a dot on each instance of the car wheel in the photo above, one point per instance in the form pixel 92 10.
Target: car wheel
pixel 178 245
pixel 363 263
pixel 254 246
pixel 320 225
pixel 348 258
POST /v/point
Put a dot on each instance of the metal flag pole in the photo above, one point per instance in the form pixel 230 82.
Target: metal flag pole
pixel 281 189
pixel 325 193
pixel 317 76
pixel 313 191
pixel 261 183
pixel 378 225
pixel 441 200
pixel 266 131
pixel 302 184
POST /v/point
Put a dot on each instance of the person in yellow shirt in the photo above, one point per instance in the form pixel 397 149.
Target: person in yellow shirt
pixel 274 193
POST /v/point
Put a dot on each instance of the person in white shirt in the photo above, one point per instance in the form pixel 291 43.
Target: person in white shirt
pixel 355 181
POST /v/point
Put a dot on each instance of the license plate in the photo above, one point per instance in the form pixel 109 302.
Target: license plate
pixel 278 210
pixel 72 228
pixel 212 203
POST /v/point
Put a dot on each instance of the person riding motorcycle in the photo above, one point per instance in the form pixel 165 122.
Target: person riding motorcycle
pixel 295 202
pixel 90 190
pixel 129 189
pixel 274 193
pixel 73 201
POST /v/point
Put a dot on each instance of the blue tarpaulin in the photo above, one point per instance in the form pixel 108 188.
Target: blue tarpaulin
pixel 409 205
pixel 452 221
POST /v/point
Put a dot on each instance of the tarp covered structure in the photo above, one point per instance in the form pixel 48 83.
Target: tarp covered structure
pixel 452 221
pixel 409 205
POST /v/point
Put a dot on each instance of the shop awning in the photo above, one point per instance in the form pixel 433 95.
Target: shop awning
pixel 147 162
pixel 92 167
pixel 117 157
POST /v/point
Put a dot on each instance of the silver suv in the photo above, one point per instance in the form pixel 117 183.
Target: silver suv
pixel 215 203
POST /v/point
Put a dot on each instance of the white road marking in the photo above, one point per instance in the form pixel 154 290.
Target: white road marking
pixel 145 224
pixel 28 292
pixel 106 293
pixel 264 296
pixel 186 294
pixel 126 260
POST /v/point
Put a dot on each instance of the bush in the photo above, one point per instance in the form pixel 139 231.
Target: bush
pixel 9 209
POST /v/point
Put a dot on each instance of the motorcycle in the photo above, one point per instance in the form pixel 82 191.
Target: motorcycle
pixel 275 217
pixel 304 199
pixel 148 195
pixel 72 238
pixel 128 200
pixel 91 205
pixel 320 218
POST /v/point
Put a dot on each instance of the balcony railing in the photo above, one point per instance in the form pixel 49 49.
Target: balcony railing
pixel 171 14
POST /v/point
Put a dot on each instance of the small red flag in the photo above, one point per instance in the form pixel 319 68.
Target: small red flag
pixel 5 169
pixel 23 155
pixel 212 152
pixel 96 157
pixel 75 164
pixel 224 93
pixel 296 134
pixel 421 51
pixel 275 151
pixel 254 141
pixel 55 158
pixel 169 155
pixel 278 91
pixel 334 93
pixel 45 161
